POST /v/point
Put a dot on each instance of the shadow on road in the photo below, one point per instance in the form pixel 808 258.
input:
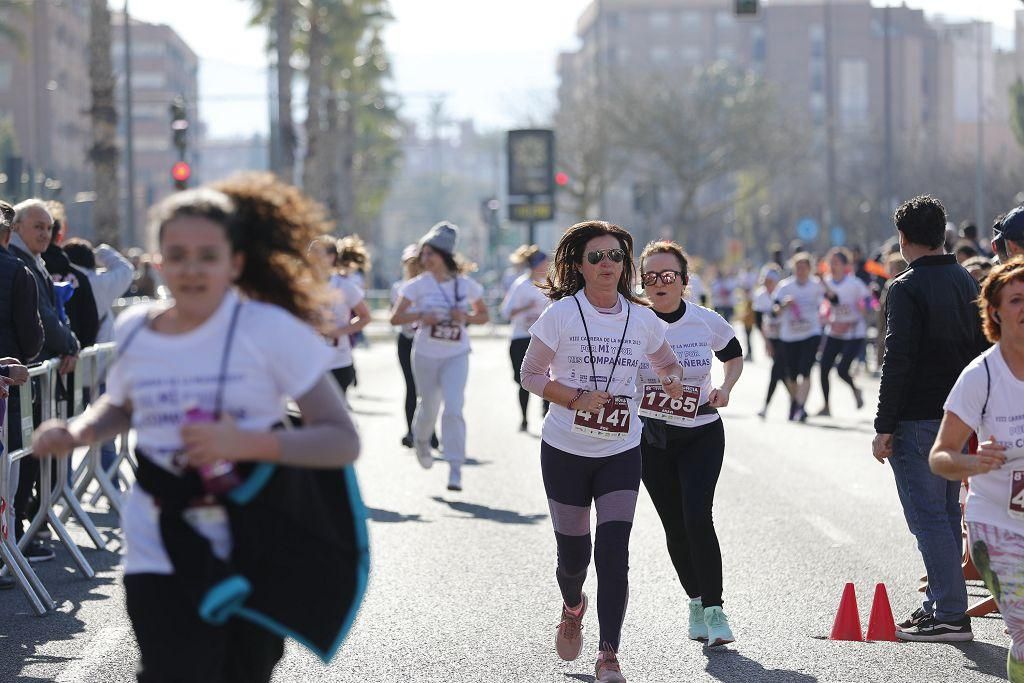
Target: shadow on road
pixel 390 517
pixel 22 633
pixel 731 666
pixel 489 513
pixel 988 658
pixel 581 677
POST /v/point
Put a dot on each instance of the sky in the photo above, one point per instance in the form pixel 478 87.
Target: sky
pixel 488 60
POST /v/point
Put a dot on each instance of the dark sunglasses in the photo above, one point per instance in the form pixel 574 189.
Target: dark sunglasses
pixel 614 255
pixel 667 277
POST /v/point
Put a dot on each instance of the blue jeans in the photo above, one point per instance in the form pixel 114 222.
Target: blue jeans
pixel 931 505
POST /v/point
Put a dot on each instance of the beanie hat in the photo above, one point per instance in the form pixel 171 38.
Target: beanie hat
pixel 442 237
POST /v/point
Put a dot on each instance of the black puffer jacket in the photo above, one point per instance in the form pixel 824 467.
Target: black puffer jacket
pixel 933 332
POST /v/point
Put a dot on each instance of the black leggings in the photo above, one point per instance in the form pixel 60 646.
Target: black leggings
pixel 405 360
pixel 681 480
pixel 778 368
pixel 517 352
pixel 176 646
pixel 571 482
pixel 847 350
pixel 345 377
pixel 800 356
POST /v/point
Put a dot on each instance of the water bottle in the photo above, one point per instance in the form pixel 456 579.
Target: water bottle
pixel 219 477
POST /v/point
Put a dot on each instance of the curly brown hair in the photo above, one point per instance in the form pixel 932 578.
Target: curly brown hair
pixel 992 294
pixel 564 276
pixel 271 224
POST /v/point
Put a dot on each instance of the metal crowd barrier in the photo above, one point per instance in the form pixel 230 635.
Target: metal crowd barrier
pixel 61 397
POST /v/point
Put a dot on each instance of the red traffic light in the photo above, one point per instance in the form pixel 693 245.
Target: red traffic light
pixel 561 179
pixel 181 171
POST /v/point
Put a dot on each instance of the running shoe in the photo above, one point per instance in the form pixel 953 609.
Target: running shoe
pixel 455 478
pixel 761 413
pixel 569 639
pixel 424 455
pixel 858 396
pixel 824 412
pixel 36 552
pixel 719 632
pixel 915 618
pixel 407 440
pixel 434 443
pixel 931 630
pixel 801 414
pixel 698 628
pixel 607 668
pixel 522 426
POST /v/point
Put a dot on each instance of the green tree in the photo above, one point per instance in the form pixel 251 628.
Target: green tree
pixel 1017 110
pixel 280 19
pixel 104 153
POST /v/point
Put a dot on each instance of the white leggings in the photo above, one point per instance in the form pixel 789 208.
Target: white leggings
pixel 999 556
pixel 437 380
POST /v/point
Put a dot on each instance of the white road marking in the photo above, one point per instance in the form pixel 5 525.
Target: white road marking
pixel 830 530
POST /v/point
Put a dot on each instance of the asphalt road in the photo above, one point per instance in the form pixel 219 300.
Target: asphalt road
pixel 462 585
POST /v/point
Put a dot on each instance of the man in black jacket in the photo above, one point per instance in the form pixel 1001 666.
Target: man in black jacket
pixel 21 330
pixel 933 332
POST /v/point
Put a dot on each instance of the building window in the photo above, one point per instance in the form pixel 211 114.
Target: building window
pixel 149 79
pixel 726 52
pixel 724 20
pixel 816 33
pixel 817 76
pixel 660 55
pixel 853 91
pixel 152 143
pixel 691 54
pixel 660 19
pixel 691 20
pixel 6 75
pixel 817 103
pixel 757 47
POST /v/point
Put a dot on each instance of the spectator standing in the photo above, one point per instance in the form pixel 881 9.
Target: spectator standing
pixel 109 275
pixel 934 331
pixel 81 308
pixel 1008 235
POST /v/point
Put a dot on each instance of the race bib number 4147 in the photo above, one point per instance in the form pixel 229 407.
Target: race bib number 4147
pixel 611 421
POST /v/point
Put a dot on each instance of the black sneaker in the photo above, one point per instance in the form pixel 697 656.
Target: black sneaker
pixel 434 443
pixel 522 426
pixel 36 552
pixel 916 617
pixel 931 630
pixel 407 440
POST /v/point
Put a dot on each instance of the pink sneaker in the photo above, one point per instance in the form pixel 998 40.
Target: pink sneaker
pixel 569 640
pixel 607 668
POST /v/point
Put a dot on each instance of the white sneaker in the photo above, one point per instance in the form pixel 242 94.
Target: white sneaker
pixel 424 454
pixel 698 627
pixel 455 478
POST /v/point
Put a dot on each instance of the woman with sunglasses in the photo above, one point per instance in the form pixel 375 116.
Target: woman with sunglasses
pixel 442 301
pixel 684 440
pixel 583 358
pixel 522 306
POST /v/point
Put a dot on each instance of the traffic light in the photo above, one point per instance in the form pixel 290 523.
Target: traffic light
pixel 561 179
pixel 746 7
pixel 180 173
pixel 179 124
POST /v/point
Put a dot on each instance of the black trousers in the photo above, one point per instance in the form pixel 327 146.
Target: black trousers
pixel 405 360
pixel 778 368
pixel 846 351
pixel 176 646
pixel 344 377
pixel 681 480
pixel 517 352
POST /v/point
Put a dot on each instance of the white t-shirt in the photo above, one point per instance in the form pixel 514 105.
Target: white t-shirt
pixel 801 319
pixel 846 317
pixel 722 290
pixel 347 295
pixel 446 339
pixel 989 497
pixel 407 330
pixel 763 304
pixel 561 329
pixel 524 293
pixel 163 376
pixel 694 338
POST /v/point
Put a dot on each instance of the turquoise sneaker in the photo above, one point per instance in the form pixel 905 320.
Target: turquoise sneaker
pixel 719 632
pixel 698 629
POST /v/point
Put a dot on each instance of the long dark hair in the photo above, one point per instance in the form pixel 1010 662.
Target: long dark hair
pixel 271 223
pixel 564 276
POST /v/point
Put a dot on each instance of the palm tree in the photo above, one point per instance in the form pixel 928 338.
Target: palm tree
pixel 279 17
pixel 104 152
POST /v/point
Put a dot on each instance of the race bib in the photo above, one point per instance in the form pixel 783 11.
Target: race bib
pixel 659 405
pixel 1016 506
pixel 446 331
pixel 840 328
pixel 610 421
pixel 800 326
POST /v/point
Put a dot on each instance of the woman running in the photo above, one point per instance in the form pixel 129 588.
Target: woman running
pixel 796 303
pixel 846 330
pixel 522 306
pixel 987 400
pixel 202 380
pixel 583 358
pixel 349 312
pixel 410 269
pixel 442 301
pixel 684 441
pixel 771 273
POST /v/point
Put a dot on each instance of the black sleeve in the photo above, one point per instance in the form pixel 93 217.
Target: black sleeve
pixel 28 328
pixel 902 338
pixel 731 350
pixel 832 297
pixel 759 319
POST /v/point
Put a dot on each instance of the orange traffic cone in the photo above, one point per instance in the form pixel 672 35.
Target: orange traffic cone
pixel 881 625
pixel 847 623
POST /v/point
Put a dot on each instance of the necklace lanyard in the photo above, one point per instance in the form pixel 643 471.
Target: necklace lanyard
pixel 590 348
pixel 455 285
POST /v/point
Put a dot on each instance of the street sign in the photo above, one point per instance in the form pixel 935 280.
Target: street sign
pixel 531 175
pixel 807 229
pixel 838 236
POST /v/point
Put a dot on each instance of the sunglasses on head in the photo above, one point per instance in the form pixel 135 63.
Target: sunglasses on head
pixel 667 277
pixel 614 255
